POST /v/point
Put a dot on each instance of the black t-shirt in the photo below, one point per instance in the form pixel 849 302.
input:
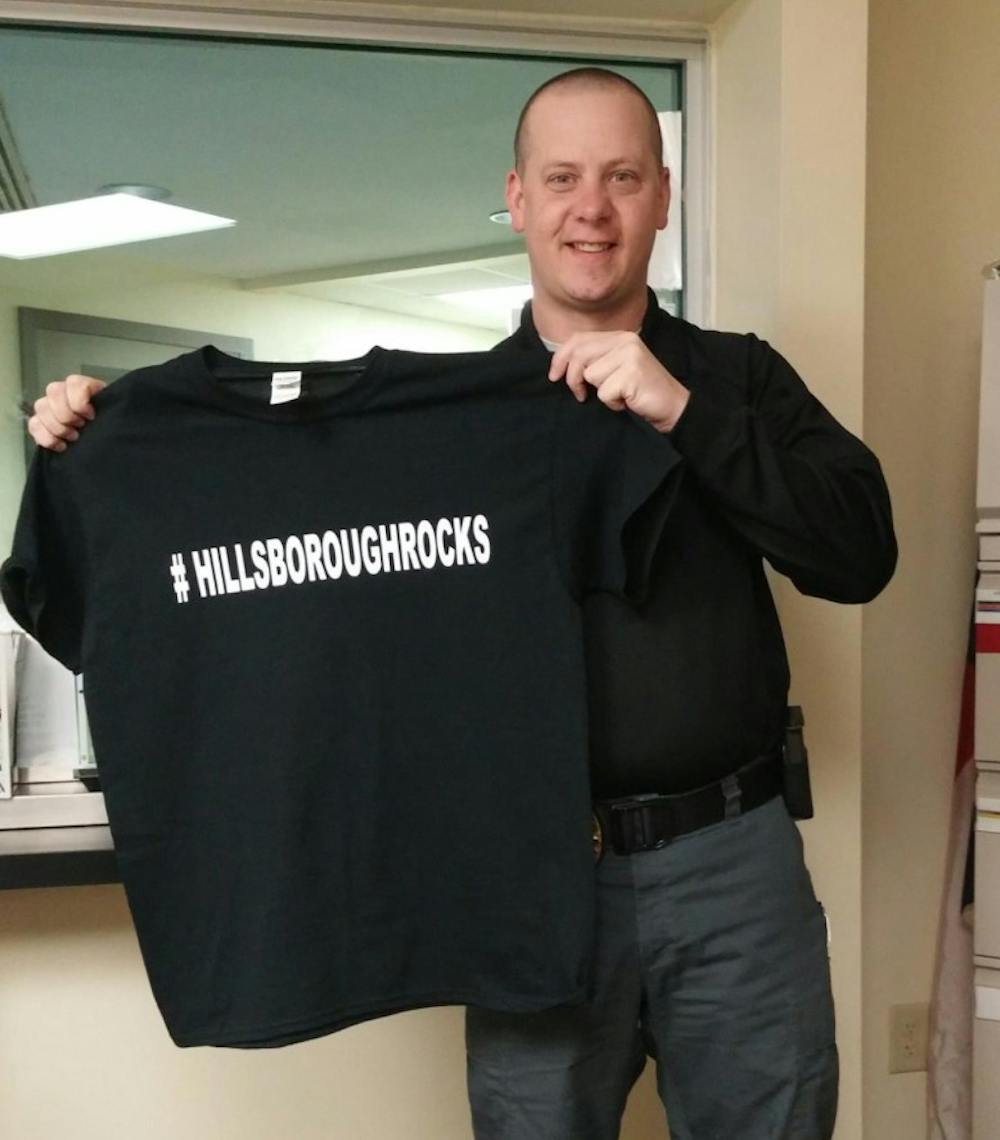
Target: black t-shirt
pixel 333 665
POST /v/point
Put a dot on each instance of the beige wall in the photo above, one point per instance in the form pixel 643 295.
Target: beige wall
pixel 745 66
pixel 933 222
pixel 84 1055
pixel 887 208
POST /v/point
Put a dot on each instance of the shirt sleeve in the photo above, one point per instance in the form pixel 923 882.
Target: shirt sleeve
pixel 804 491
pixel 41 582
pixel 614 479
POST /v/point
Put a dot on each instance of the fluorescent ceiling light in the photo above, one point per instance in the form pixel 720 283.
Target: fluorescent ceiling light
pixel 92 223
pixel 493 300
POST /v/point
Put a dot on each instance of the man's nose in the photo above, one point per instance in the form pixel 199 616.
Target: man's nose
pixel 593 202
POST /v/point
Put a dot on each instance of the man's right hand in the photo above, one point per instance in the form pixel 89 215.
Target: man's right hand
pixel 63 409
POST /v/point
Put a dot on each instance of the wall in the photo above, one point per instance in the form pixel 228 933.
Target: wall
pixel 746 79
pixel 84 1054
pixel 933 222
pixel 887 207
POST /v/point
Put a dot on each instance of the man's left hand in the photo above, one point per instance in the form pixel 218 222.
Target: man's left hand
pixel 624 373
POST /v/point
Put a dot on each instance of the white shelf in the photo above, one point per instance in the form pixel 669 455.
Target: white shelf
pixel 53 806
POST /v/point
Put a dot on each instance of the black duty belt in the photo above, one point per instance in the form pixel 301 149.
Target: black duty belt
pixel 642 823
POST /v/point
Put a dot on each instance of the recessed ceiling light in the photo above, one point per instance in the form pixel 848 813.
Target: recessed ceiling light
pixel 138 189
pixel 501 217
pixel 93 223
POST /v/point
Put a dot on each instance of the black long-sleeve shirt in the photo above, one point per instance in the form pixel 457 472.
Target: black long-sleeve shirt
pixel 692 683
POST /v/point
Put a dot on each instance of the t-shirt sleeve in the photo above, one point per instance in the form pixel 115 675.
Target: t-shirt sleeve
pixel 614 480
pixel 41 582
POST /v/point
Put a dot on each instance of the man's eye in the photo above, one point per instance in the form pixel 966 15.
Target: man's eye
pixel 560 179
pixel 623 176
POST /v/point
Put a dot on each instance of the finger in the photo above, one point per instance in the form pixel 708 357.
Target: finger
pixel 610 394
pixel 602 361
pixel 601 367
pixel 574 344
pixel 582 360
pixel 557 365
pixel 560 364
pixel 43 437
pixel 575 379
pixel 79 390
pixel 591 344
pixel 48 419
pixel 58 405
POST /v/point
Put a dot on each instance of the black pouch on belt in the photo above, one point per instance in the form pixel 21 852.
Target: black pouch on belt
pixel 795 767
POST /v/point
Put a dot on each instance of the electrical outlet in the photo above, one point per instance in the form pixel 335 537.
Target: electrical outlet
pixel 908 1038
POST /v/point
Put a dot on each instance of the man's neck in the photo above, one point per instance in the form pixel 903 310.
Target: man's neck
pixel 554 323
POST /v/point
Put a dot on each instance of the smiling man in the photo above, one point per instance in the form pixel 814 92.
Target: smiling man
pixel 589 202
pixel 711 948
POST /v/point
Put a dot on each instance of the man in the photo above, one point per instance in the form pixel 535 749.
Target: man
pixel 711 945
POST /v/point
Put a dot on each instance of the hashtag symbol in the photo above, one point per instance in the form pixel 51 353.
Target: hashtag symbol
pixel 179 575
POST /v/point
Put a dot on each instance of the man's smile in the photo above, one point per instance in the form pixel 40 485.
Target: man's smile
pixel 591 247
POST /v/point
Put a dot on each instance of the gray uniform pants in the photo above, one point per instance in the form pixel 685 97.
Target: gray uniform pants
pixel 712 958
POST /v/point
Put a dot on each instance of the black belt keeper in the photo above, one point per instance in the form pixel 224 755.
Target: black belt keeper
pixel 646 822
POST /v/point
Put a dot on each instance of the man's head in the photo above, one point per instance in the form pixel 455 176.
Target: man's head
pixel 588 191
pixel 588 78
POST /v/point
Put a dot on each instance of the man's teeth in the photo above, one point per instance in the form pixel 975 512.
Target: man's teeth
pixel 591 246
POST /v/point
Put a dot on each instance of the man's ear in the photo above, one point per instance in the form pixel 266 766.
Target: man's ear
pixel 514 195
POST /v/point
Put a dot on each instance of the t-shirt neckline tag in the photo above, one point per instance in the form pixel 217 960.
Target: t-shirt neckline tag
pixel 285 387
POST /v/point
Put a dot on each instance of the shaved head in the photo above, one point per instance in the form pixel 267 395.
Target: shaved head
pixel 586 78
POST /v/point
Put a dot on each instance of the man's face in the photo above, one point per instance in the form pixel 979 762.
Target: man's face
pixel 589 200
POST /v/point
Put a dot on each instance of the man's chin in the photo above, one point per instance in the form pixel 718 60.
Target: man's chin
pixel 592 294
